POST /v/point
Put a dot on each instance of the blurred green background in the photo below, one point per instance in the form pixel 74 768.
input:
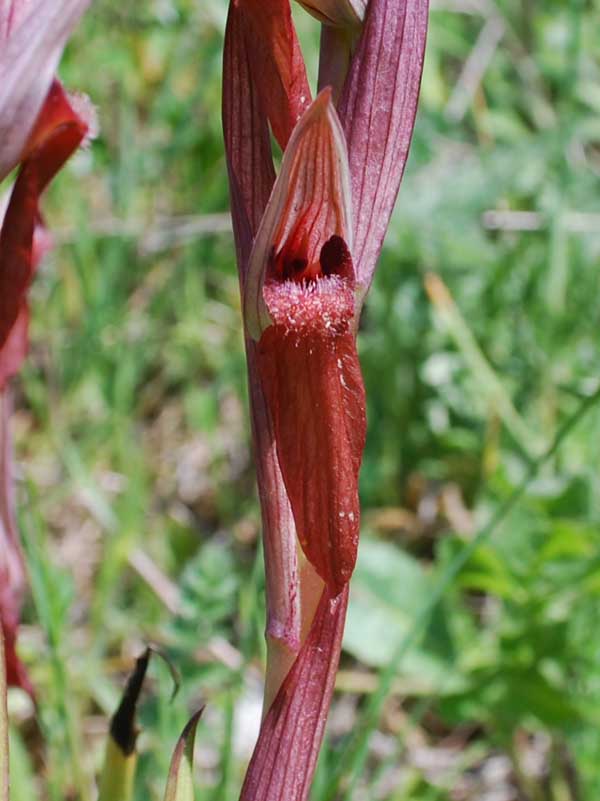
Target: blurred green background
pixel 137 501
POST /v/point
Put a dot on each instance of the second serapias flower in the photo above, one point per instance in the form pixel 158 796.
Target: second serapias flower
pixel 41 125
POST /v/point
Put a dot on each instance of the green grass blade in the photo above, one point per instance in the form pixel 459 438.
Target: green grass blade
pixel 180 784
pixel 491 387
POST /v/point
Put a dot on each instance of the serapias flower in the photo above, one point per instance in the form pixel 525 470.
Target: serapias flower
pixel 300 304
pixel 40 127
pixel 307 243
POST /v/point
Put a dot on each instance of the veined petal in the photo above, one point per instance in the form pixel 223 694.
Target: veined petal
pixel 59 130
pixel 28 60
pixel 12 13
pixel 285 756
pixel 311 196
pixel 276 63
pixel 251 178
pixel 377 110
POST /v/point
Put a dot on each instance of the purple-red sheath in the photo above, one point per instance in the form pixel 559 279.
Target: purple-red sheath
pixel 276 63
pixel 377 109
pixel 290 737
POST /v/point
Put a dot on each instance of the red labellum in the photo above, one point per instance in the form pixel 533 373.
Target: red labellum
pixel 311 375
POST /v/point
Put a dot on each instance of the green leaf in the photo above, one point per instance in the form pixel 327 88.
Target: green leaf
pixel 180 784
pixel 387 590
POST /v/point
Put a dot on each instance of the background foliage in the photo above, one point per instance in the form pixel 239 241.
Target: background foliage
pixel 137 499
